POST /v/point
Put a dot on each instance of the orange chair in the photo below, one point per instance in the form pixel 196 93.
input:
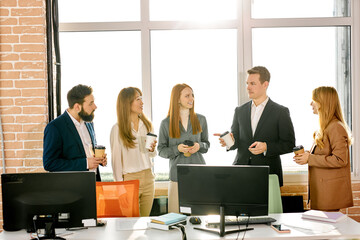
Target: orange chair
pixel 117 199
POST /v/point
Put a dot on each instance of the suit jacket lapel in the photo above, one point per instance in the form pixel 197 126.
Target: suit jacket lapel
pixel 264 116
pixel 71 127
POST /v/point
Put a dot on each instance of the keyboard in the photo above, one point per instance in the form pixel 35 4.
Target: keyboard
pixel 243 221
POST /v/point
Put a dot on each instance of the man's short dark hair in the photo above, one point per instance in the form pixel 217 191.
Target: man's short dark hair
pixel 77 94
pixel 262 71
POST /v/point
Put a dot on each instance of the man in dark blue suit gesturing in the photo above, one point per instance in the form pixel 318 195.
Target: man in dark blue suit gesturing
pixel 69 140
pixel 262 129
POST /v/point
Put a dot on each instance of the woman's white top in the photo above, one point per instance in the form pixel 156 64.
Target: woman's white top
pixel 129 160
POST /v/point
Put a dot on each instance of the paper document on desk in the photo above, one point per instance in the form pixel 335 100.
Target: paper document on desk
pixel 324 216
pixel 311 227
pixel 124 224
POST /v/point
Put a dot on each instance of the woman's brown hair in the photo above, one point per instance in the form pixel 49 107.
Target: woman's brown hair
pixel 123 109
pixel 174 112
pixel 329 108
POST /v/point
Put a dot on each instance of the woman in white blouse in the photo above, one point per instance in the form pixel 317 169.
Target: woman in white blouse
pixel 129 157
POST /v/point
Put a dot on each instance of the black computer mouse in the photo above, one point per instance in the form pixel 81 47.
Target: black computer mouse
pixel 195 220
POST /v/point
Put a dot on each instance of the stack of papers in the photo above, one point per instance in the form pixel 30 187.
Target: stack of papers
pixel 164 222
pixel 311 227
pixel 323 216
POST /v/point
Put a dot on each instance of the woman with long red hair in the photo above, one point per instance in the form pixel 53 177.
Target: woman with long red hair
pixel 329 158
pixel 183 137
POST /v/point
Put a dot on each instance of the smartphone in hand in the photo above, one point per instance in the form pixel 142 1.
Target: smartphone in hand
pixel 280 228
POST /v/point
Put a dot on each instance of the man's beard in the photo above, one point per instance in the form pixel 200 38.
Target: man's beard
pixel 86 117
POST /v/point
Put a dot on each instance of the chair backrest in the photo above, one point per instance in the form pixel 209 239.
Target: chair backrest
pixel 117 199
pixel 275 203
pixel 293 204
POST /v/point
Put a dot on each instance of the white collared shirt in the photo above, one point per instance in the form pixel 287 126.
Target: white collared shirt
pixel 84 136
pixel 129 160
pixel 256 112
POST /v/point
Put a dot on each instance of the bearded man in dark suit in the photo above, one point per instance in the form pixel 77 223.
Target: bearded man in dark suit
pixel 69 140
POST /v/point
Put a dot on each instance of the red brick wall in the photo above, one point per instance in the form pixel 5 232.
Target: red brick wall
pixel 23 86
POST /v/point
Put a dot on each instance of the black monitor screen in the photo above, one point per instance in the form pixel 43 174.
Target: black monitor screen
pixel 32 199
pixel 241 190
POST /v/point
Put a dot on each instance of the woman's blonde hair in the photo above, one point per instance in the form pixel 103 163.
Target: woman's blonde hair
pixel 174 112
pixel 329 108
pixel 123 108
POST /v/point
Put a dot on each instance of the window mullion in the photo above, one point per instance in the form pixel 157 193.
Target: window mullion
pixel 146 58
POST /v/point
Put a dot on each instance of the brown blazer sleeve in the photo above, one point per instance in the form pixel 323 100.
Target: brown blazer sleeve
pixel 335 153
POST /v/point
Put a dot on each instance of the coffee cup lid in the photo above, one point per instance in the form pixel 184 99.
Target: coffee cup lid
pixel 298 148
pixel 189 143
pixel 224 133
pixel 151 134
pixel 100 147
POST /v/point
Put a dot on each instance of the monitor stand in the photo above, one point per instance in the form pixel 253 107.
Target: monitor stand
pixel 222 231
pixel 49 228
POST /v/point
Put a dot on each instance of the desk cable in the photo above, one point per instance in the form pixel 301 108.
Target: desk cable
pixel 181 228
pixel 36 230
pixel 246 226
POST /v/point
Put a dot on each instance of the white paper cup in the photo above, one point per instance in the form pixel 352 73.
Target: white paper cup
pixel 228 139
pixel 150 138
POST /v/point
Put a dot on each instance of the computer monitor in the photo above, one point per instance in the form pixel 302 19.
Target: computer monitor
pixel 47 201
pixel 223 190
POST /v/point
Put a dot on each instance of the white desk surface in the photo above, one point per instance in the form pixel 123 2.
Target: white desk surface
pixel 345 229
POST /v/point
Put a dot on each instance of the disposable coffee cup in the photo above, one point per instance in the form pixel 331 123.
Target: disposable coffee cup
pixel 298 150
pixel 99 151
pixel 150 138
pixel 188 143
pixel 228 139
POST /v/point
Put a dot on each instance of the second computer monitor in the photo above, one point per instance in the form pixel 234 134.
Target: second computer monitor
pixel 240 190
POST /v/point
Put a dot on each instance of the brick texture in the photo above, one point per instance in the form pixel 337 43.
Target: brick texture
pixel 23 84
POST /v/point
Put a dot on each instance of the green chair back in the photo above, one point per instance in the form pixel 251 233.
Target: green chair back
pixel 275 203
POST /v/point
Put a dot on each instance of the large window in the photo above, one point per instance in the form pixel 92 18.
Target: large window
pixel 94 58
pixel 196 57
pixel 189 10
pixel 155 44
pixel 300 8
pixel 303 63
pixel 94 11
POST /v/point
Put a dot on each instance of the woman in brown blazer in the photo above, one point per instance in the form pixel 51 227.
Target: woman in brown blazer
pixel 329 158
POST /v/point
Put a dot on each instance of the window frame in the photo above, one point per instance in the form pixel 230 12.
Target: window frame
pixel 244 25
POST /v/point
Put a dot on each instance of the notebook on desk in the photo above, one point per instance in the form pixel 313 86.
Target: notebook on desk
pixel 168 218
pixel 323 216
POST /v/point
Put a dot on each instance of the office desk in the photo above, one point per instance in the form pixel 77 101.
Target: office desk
pixel 345 229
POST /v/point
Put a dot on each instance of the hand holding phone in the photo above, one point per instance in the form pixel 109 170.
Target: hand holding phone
pixel 280 228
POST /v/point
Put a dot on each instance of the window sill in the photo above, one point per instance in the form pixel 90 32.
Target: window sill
pixel 295 178
pixel 161 187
